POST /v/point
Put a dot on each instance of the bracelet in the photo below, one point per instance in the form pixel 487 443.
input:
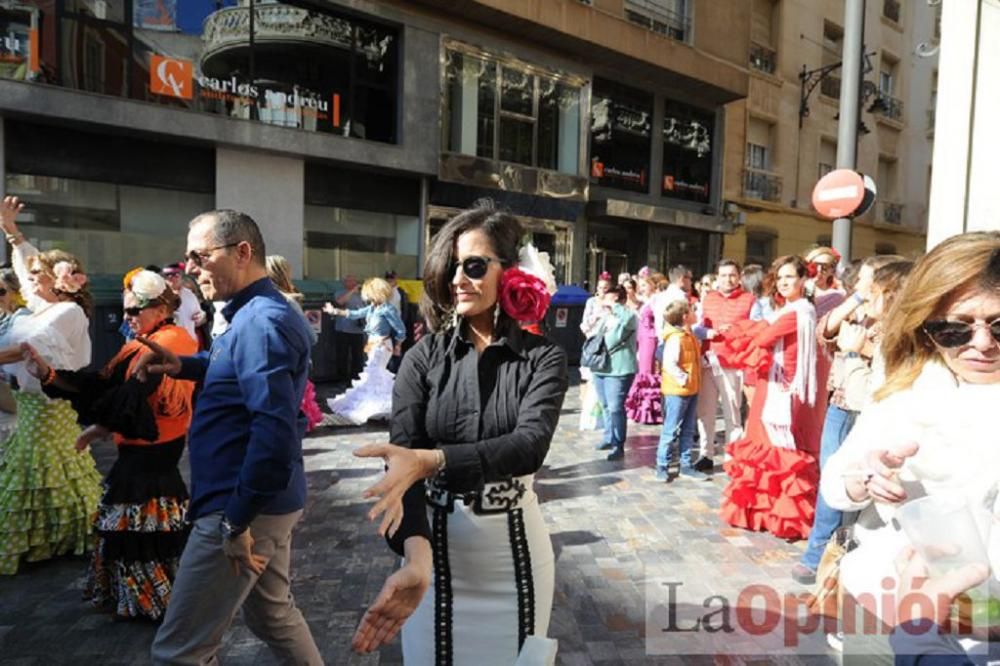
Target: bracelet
pixel 50 377
pixel 441 462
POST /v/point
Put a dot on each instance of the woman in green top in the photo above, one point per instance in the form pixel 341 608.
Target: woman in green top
pixel 619 327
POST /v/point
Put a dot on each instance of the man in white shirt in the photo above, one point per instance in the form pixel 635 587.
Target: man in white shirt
pixel 680 287
pixel 189 315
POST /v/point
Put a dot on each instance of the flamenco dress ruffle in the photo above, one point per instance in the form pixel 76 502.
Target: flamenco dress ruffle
pixel 48 491
pixel 141 532
pixel 770 489
pixel 644 403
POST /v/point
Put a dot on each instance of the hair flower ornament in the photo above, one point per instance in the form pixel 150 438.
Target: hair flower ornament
pixel 147 286
pixel 67 279
pixel 526 291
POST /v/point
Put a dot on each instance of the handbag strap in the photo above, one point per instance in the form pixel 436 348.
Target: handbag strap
pixel 621 343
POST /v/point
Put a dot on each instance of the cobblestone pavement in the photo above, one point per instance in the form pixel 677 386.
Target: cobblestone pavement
pixel 615 531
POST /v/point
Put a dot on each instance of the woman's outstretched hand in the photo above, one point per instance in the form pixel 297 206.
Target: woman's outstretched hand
pixel 33 362
pixel 398 599
pixel 404 467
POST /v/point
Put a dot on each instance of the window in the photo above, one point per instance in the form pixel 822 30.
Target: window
pixel 314 70
pixel 887 78
pixel 687 152
pixel 667 17
pixel 890 10
pixel 833 43
pixel 620 136
pixel 759 134
pixel 508 112
pixel 887 178
pixel 763 36
pixel 359 226
pixel 827 157
pixel 760 247
pixel 885 248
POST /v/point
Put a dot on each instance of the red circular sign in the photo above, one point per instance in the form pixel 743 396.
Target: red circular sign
pixel 838 193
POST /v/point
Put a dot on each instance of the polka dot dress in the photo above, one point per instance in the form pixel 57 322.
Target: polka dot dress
pixel 48 492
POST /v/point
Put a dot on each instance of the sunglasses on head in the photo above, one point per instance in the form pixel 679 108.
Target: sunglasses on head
pixel 472 267
pixel 950 334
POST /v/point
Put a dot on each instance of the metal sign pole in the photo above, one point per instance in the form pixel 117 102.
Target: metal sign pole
pixel 850 110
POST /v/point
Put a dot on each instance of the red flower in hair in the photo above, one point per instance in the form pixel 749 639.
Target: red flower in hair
pixel 523 296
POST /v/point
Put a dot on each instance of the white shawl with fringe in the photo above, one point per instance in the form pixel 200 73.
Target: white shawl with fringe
pixel 777 412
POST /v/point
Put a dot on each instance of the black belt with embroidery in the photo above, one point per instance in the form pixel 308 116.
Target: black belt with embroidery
pixel 499 497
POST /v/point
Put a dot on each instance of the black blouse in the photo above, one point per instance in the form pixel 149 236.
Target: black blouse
pixel 493 414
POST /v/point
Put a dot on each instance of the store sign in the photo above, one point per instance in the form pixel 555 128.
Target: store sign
pixel 171 77
pixel 681 187
pixel 599 169
pixel 174 77
pixel 562 317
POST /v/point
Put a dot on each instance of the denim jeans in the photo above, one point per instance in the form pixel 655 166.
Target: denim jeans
pixel 611 393
pixel 680 424
pixel 837 425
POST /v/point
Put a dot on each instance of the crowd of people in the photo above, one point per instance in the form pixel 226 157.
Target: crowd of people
pixel 806 360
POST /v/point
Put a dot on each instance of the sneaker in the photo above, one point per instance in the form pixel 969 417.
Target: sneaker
pixel 836 641
pixel 692 473
pixel 605 446
pixel 703 464
pixel 661 475
pixel 617 454
pixel 803 575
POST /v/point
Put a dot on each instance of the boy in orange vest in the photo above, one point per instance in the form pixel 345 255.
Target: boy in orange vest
pixel 680 383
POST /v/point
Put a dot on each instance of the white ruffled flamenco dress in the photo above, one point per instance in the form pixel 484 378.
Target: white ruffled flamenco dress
pixel 370 395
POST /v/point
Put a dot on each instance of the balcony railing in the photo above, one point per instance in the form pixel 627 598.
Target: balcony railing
pixel 762 185
pixel 890 10
pixel 889 107
pixel 830 86
pixel 762 58
pixel 654 15
pixel 890 212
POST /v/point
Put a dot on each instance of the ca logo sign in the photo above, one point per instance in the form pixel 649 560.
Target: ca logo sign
pixel 172 77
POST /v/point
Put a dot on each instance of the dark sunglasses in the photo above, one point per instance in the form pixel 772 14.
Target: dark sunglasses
pixel 199 257
pixel 135 312
pixel 950 334
pixel 3 292
pixel 472 267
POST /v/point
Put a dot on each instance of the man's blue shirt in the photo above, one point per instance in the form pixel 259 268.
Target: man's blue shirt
pixel 245 440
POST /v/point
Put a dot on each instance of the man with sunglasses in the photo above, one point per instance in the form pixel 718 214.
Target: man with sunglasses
pixel 247 476
pixel 189 315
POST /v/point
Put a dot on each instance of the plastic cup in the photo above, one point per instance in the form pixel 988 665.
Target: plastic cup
pixel 945 531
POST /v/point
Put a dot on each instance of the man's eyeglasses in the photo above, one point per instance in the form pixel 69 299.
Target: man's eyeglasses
pixel 473 267
pixel 950 334
pixel 199 257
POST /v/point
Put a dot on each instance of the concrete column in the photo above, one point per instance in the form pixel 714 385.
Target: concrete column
pixel 964 196
pixel 271 190
pixel 569 138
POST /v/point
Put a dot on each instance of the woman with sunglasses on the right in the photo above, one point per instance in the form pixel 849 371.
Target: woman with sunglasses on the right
pixel 932 428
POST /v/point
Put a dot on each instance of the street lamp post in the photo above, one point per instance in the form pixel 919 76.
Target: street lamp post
pixel 850 110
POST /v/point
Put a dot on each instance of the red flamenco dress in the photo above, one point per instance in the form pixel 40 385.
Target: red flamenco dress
pixel 774 470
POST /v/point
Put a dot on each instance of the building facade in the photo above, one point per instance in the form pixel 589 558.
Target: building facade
pixel 351 129
pixel 783 137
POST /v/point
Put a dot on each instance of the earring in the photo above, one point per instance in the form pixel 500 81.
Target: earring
pixel 496 316
pixel 454 319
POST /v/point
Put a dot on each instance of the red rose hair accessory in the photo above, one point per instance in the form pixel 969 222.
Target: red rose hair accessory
pixel 604 276
pixel 523 296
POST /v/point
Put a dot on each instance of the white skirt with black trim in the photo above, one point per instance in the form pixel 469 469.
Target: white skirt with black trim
pixel 494 574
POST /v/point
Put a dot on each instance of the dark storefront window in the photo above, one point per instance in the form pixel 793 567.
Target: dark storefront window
pixel 113 201
pixel 620 134
pixel 358 225
pixel 285 65
pixel 687 152
pixel 509 112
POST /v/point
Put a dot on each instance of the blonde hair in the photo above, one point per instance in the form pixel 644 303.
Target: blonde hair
pixel 674 313
pixel 376 290
pixel 953 267
pixel 46 261
pixel 280 273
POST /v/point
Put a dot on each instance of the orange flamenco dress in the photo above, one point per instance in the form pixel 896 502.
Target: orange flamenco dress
pixel 774 470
